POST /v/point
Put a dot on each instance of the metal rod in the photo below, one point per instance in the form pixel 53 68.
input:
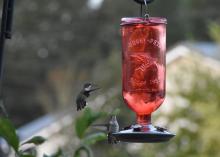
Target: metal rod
pixel 2 35
pixel 10 11
pixel 6 27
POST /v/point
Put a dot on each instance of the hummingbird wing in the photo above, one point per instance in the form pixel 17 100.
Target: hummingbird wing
pixel 81 101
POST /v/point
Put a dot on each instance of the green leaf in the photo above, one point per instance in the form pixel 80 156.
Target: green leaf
pixel 94 138
pixel 29 151
pixel 27 155
pixel 37 140
pixel 85 149
pixel 59 153
pixel 83 122
pixel 8 132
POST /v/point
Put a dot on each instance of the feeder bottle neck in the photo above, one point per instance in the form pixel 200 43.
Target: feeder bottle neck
pixel 144 119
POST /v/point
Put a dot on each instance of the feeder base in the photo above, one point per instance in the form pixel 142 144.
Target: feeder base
pixel 140 134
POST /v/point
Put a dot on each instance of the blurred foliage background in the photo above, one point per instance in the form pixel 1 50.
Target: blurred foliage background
pixel 59 45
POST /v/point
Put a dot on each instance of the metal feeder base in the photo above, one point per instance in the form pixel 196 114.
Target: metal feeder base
pixel 136 134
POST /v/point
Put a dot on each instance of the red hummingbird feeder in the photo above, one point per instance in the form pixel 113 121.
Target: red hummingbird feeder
pixel 144 75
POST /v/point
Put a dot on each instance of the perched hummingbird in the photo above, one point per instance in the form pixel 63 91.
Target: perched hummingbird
pixel 85 93
pixel 111 127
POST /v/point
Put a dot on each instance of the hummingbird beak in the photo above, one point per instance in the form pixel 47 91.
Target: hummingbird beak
pixel 102 127
pixel 93 87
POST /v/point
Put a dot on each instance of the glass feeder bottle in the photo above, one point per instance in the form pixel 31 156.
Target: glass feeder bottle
pixel 143 65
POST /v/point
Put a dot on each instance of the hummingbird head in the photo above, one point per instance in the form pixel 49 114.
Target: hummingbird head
pixel 89 87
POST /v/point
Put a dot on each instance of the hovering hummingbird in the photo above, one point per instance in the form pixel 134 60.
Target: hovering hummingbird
pixel 85 93
pixel 111 127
